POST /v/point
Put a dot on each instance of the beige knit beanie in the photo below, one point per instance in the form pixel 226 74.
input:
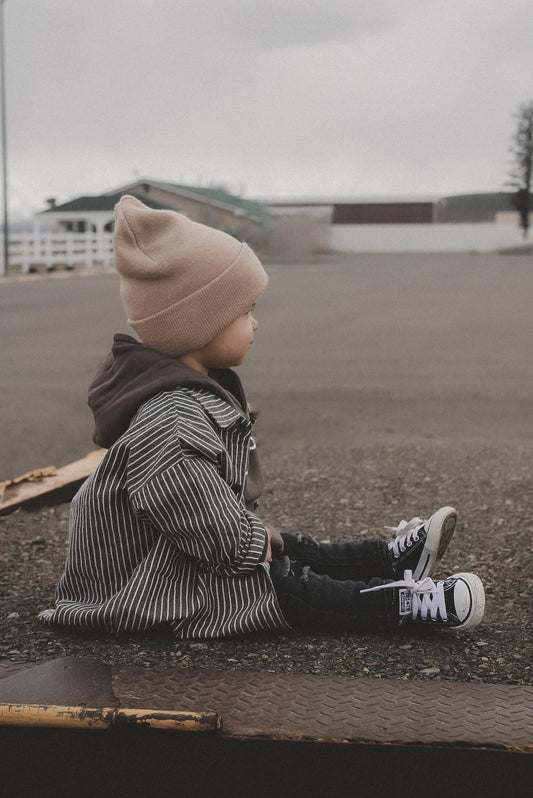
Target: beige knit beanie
pixel 182 283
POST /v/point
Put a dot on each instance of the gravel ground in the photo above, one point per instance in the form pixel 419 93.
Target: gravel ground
pixel 493 539
pixel 387 385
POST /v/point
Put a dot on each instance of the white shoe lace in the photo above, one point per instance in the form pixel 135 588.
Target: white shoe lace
pixel 406 533
pixel 427 596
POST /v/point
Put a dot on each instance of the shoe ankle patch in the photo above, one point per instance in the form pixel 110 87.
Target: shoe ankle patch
pixel 405 602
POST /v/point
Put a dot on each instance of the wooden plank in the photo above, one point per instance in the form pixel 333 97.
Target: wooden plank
pixel 46 486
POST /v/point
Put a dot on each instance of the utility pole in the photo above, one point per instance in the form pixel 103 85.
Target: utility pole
pixel 4 143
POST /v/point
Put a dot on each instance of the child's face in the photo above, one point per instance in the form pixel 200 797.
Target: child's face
pixel 227 349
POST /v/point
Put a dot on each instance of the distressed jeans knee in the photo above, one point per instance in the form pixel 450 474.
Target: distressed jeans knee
pixel 315 601
pixel 348 560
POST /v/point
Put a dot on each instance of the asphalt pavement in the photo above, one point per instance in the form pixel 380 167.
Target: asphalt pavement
pixel 349 349
pixel 387 385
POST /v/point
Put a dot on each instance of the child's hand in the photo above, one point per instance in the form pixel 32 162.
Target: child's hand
pixel 275 539
pixel 268 555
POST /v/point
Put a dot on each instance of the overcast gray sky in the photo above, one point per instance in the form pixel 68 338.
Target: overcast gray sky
pixel 272 98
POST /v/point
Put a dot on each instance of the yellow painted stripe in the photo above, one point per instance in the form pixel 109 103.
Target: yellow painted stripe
pixel 35 715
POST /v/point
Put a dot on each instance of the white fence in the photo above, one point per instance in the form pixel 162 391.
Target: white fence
pixel 444 237
pixel 29 252
pixel 48 251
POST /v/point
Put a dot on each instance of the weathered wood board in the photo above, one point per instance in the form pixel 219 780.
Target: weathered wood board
pixel 48 485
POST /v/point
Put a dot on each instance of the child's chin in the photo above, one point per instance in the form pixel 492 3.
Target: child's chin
pixel 239 360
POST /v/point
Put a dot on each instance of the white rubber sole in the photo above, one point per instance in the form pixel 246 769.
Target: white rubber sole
pixel 477 601
pixel 439 531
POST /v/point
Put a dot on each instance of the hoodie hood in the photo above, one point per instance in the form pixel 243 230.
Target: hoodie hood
pixel 132 373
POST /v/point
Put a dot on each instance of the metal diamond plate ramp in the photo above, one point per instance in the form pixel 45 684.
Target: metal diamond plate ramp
pixel 340 708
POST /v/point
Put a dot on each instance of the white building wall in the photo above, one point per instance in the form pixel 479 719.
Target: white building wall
pixel 511 217
pixel 484 237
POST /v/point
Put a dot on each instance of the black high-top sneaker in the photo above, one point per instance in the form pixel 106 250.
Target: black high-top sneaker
pixel 457 602
pixel 419 545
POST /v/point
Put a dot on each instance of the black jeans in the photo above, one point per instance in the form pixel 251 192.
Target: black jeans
pixel 318 585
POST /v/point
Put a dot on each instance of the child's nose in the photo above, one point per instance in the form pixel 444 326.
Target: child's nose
pixel 255 324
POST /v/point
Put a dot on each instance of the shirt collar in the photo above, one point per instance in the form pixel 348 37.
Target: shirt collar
pixel 223 414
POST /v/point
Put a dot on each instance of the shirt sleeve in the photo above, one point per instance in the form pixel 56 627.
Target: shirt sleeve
pixel 189 501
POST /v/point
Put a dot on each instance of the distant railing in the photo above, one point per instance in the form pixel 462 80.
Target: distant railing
pixel 49 251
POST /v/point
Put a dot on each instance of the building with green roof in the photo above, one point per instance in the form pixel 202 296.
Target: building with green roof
pixel 211 205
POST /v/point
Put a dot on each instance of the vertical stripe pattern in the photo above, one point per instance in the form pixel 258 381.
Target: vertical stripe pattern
pixel 160 533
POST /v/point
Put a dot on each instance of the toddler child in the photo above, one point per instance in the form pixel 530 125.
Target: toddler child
pixel 165 532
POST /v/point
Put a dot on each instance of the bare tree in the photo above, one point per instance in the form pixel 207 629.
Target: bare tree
pixel 522 150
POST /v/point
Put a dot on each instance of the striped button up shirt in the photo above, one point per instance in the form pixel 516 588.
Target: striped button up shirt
pixel 160 534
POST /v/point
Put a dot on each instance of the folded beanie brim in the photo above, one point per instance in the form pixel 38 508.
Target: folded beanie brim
pixel 182 282
pixel 190 324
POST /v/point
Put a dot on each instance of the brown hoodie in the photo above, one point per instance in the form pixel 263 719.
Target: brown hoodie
pixel 132 373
